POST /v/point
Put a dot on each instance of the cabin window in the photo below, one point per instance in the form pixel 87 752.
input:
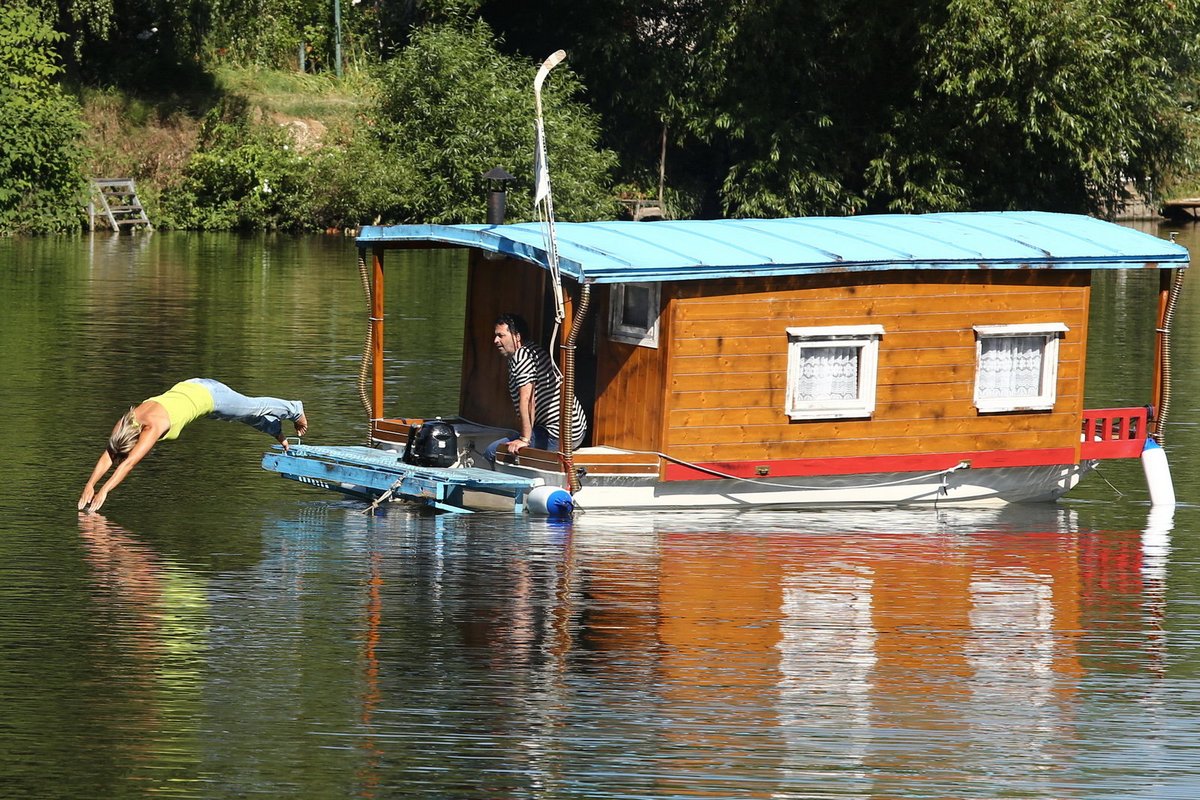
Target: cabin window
pixel 832 371
pixel 1016 366
pixel 634 313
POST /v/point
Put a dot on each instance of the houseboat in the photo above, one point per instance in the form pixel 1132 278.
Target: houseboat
pixel 882 360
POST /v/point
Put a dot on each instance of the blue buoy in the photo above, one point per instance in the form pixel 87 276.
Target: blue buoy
pixel 1158 474
pixel 550 501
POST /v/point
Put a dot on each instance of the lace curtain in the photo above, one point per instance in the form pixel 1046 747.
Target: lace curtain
pixel 1010 366
pixel 828 373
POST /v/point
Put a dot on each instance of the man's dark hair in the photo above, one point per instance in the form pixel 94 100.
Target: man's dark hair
pixel 516 324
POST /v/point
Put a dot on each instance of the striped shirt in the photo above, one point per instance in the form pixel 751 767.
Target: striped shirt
pixel 531 365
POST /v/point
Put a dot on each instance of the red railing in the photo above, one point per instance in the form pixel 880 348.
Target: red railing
pixel 1114 433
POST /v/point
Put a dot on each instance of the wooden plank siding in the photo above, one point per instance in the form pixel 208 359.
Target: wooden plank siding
pixel 629 409
pixel 727 367
pixel 393 430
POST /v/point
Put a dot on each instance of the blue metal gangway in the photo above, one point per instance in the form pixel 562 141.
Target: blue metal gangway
pixel 370 473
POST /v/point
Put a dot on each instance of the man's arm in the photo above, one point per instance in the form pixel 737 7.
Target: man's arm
pixel 525 407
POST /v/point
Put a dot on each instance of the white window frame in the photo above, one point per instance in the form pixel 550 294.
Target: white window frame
pixel 619 331
pixel 1052 332
pixel 866 339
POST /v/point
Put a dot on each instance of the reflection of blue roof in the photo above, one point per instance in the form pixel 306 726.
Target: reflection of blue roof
pixel 617 252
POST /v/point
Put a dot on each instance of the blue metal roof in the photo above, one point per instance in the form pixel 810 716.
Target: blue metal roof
pixel 621 252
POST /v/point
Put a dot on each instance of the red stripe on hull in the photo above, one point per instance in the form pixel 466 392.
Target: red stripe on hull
pixel 865 465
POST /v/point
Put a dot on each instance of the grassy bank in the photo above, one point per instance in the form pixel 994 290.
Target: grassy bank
pixel 152 139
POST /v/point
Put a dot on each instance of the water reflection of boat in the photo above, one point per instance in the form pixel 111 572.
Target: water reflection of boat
pixel 868 650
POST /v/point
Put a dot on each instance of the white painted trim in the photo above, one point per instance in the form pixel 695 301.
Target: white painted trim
pixel 633 334
pixel 866 339
pixel 1021 330
pixel 1052 332
pixel 836 331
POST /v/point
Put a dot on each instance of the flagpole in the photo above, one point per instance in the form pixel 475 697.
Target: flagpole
pixel 542 198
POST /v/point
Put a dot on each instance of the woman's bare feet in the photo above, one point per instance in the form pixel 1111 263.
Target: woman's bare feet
pixel 301 425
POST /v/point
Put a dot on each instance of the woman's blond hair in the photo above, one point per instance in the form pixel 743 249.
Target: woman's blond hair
pixel 125 436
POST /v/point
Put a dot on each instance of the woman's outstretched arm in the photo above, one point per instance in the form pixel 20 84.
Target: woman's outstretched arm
pixel 145 443
pixel 89 489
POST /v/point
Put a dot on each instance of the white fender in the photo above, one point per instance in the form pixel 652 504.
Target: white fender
pixel 1158 474
pixel 550 501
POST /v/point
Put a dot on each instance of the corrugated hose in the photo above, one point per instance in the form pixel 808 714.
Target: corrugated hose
pixel 1160 419
pixel 564 423
pixel 364 367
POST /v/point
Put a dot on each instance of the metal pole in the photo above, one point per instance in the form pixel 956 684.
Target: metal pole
pixel 337 37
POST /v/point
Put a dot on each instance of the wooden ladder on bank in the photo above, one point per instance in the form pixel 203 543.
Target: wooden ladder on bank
pixel 118 201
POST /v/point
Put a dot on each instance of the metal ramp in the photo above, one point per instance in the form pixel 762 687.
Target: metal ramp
pixel 116 199
pixel 368 473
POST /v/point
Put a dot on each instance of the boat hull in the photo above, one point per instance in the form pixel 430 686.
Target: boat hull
pixel 967 487
pixel 370 473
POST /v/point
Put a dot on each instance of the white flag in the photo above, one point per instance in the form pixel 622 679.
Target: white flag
pixel 541 175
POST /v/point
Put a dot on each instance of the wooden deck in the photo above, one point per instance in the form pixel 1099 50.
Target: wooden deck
pixel 1185 208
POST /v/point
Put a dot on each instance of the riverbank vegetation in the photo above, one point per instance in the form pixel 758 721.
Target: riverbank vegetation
pixel 281 114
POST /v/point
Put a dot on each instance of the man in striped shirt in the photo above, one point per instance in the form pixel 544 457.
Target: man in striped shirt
pixel 534 385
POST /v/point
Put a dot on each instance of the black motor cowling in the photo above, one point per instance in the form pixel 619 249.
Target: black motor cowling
pixel 431 444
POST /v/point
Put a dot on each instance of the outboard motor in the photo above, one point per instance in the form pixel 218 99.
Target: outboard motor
pixel 433 444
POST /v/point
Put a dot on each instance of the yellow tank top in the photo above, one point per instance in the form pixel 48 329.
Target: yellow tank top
pixel 184 402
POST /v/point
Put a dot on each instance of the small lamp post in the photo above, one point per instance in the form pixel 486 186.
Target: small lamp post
pixel 497 197
pixel 337 38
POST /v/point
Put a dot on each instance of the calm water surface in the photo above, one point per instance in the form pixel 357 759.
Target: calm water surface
pixel 219 632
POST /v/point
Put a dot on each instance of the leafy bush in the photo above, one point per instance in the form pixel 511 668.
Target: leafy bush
pixel 41 188
pixel 243 176
pixel 359 181
pixel 452 107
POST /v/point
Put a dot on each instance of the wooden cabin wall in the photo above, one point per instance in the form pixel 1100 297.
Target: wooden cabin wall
pixel 495 288
pixel 630 381
pixel 725 391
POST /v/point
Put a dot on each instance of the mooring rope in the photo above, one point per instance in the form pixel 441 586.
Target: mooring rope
pixel 386 497
pixel 960 465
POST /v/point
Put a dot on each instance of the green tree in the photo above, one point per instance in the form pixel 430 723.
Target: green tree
pixel 638 58
pixel 775 107
pixel 1045 104
pixel 150 45
pixel 40 156
pixel 269 33
pixel 451 108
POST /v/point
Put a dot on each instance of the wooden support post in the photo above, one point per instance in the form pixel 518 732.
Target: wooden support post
pixel 1165 278
pixel 377 333
pixel 1164 288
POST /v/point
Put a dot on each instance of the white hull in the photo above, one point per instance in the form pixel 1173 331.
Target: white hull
pixel 372 473
pixel 967 487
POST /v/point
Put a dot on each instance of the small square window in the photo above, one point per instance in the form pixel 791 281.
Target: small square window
pixel 1016 366
pixel 832 371
pixel 633 314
